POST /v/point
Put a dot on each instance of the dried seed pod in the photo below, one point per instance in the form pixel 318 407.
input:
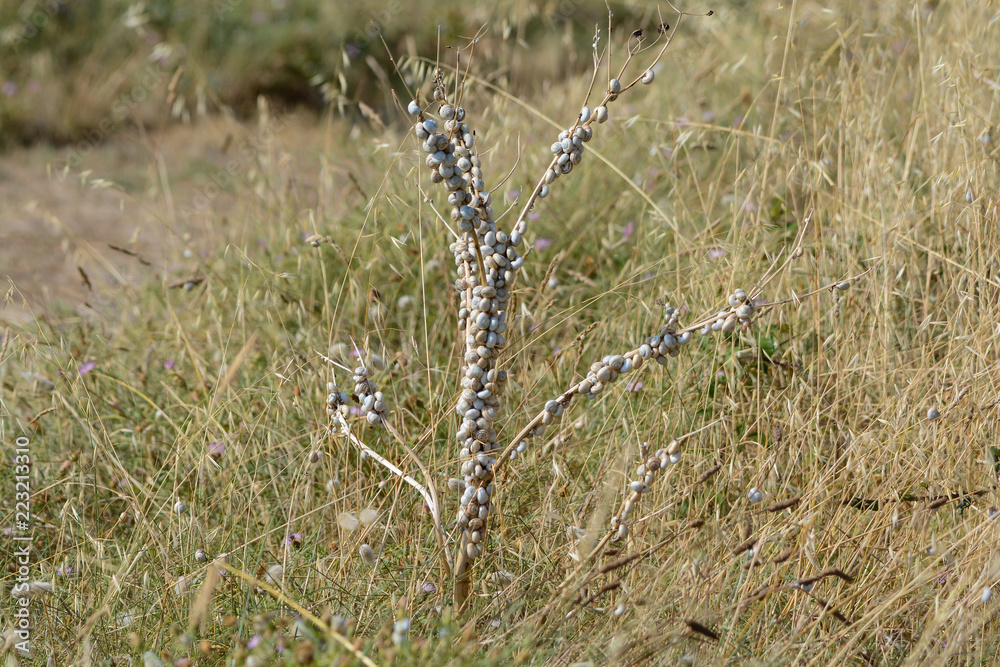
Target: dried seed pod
pixel 347 521
pixel 367 554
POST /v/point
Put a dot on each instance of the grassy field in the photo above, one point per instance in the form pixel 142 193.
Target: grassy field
pixel 835 503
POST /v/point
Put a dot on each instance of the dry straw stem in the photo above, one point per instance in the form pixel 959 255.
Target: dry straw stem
pixel 302 611
pixel 428 493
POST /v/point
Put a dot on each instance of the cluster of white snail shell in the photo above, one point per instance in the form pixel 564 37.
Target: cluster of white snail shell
pixel 667 343
pixel 568 150
pixel 336 400
pixel 373 407
pixel 739 313
pixel 487 261
pixel 646 475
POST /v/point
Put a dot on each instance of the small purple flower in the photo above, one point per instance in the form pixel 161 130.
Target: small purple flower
pixel 634 385
pixel 261 243
pixel 168 365
pixel 293 539
pixel 720 374
pixel 555 352
pixel 628 230
pixel 513 194
pixel 7 530
pixel 716 253
pixel 254 642
pixel 534 215
pixel 542 243
pixel 428 587
pixel 87 367
pixel 354 410
pixel 65 570
pixel 216 449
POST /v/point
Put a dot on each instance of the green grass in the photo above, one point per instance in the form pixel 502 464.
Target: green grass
pixel 871 125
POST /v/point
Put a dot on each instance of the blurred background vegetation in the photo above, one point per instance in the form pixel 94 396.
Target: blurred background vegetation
pixel 64 65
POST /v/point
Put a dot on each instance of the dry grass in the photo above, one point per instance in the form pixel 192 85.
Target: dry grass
pixel 872 122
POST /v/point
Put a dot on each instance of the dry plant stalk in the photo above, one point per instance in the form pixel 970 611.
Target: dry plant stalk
pixel 488 261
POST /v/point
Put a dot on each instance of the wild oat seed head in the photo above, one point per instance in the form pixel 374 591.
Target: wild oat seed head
pixel 367 554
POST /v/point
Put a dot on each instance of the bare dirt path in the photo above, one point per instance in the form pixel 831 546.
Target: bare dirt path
pixel 68 234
